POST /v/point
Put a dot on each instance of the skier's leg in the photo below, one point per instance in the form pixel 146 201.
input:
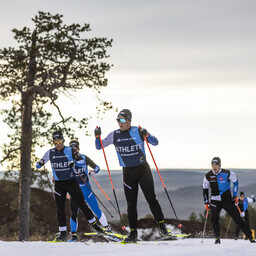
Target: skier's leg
pixel 131 194
pixel 93 203
pixel 215 211
pixel 77 195
pixel 147 185
pixel 232 210
pixel 74 216
pixel 60 199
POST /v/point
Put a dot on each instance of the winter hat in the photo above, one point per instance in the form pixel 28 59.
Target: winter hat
pixel 126 113
pixel 216 160
pixel 74 144
pixel 57 135
pixel 241 193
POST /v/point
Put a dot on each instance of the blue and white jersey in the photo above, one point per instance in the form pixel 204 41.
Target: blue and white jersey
pixel 219 184
pixel 243 204
pixel 82 172
pixel 60 161
pixel 129 146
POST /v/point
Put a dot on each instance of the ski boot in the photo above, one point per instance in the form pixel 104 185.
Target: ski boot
pixel 217 240
pixel 252 241
pixel 62 237
pixel 97 228
pixel 164 231
pixel 73 238
pixel 107 229
pixel 132 237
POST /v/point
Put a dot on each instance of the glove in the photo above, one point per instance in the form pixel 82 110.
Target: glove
pixel 71 164
pixel 143 132
pixel 92 173
pixel 252 195
pixel 97 132
pixel 40 163
pixel 235 199
pixel 207 206
pixel 242 214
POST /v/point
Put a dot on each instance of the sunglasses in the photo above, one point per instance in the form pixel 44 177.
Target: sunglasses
pixel 57 142
pixel 121 120
pixel 215 162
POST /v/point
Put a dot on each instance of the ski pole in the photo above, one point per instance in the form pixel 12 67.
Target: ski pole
pixel 49 182
pixel 93 193
pixel 179 225
pixel 240 212
pixel 110 178
pixel 205 222
pixel 104 193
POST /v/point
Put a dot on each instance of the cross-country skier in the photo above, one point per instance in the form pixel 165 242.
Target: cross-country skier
pixel 81 178
pixel 62 160
pixel 218 180
pixel 243 205
pixel 129 144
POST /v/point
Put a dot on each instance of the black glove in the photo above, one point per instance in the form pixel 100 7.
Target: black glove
pixel 71 164
pixel 40 163
pixel 143 132
pixel 97 132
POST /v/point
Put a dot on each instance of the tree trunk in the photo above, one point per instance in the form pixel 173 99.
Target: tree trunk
pixel 26 147
pixel 25 170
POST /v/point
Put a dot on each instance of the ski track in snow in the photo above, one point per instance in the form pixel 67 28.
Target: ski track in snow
pixel 163 248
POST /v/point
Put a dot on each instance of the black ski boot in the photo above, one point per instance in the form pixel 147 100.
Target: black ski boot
pixel 252 241
pixel 217 240
pixel 97 228
pixel 62 237
pixel 132 237
pixel 164 230
pixel 73 238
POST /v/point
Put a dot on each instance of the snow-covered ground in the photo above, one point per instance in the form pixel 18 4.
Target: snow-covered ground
pixel 177 248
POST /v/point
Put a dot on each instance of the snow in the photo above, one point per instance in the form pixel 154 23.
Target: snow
pixel 180 247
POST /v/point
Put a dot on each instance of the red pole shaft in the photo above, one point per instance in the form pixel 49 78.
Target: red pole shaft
pixel 101 188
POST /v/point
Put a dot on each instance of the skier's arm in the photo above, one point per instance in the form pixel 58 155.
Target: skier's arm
pixel 43 160
pixel 206 186
pixel 78 158
pixel 234 179
pixel 95 167
pixel 106 142
pixel 151 139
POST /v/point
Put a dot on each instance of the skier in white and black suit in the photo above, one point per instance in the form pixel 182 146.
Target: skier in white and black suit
pixel 129 145
pixel 62 160
pixel 218 180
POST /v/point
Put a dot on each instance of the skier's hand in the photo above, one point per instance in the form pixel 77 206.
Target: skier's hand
pixel 71 164
pixel 242 214
pixel 207 207
pixel 143 132
pixel 40 163
pixel 97 132
pixel 92 173
pixel 235 199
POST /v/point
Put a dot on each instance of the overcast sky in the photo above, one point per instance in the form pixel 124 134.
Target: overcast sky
pixel 186 70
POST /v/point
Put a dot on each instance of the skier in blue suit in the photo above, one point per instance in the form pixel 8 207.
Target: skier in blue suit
pixel 82 176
